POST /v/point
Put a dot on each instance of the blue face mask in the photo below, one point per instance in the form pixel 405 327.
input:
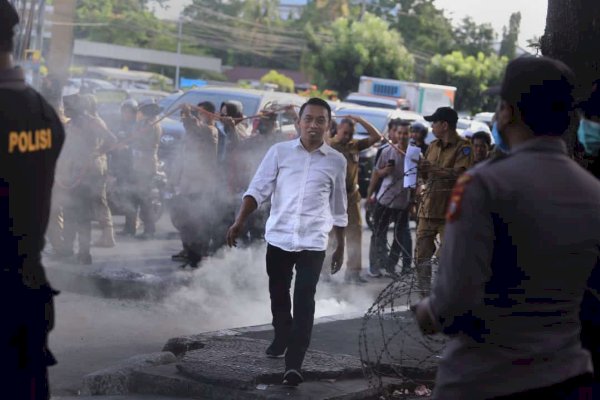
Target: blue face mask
pixel 500 143
pixel 589 136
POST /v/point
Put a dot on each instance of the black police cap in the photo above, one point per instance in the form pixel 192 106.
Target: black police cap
pixel 445 114
pixel 8 20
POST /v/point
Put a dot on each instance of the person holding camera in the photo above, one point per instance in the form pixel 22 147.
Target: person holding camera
pixel 392 205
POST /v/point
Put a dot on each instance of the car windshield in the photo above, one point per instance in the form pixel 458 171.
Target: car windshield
pixel 377 120
pixel 166 102
pixel 249 102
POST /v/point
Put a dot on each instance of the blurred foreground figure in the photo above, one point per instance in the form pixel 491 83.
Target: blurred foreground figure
pixel 32 136
pixel 306 181
pixel 589 136
pixel 522 239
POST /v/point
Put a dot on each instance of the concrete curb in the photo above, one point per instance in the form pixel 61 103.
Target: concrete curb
pixel 115 380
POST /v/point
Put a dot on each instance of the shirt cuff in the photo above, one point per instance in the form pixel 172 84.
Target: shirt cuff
pixel 340 220
pixel 255 194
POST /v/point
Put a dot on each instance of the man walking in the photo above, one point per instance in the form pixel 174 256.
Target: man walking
pixel 446 158
pixel 518 252
pixel 306 181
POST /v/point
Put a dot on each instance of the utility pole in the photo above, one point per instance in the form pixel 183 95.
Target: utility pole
pixel 61 44
pixel 178 52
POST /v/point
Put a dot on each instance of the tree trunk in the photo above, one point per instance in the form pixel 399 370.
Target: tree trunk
pixel 572 36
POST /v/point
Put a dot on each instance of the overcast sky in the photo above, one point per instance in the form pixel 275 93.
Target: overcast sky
pixel 496 12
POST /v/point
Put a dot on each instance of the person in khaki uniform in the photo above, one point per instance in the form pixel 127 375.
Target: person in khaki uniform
pixel 144 147
pixel 80 171
pixel 350 148
pixel 445 160
pixel 196 179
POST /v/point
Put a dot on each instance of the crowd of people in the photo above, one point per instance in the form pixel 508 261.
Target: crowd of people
pixel 113 166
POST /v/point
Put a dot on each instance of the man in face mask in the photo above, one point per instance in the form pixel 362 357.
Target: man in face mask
pixel 522 239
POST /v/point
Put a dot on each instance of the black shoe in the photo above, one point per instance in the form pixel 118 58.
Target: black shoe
pixel 145 236
pixel 84 259
pixel 276 350
pixel 292 378
pixel 405 271
pixel 126 233
pixel 181 256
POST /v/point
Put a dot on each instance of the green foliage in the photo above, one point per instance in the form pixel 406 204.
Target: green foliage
pixel 473 38
pixel 284 83
pixel 472 75
pixel 357 48
pixel 244 33
pixel 127 23
pixel 423 26
pixel 510 36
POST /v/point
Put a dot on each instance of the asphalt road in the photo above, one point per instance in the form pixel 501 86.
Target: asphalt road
pixel 229 290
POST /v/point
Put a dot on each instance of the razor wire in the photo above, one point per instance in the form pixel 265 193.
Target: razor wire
pixel 397 359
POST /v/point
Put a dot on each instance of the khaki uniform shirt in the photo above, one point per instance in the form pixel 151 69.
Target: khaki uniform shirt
pixel 83 158
pixel 520 242
pixel 456 156
pixel 144 146
pixel 351 151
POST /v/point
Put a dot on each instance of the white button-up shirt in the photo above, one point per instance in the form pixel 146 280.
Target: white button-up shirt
pixel 308 195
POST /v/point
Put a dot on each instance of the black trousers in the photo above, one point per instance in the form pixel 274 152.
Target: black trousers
pixel 296 330
pixel 27 317
pixel 577 388
pixel 379 256
pixel 590 328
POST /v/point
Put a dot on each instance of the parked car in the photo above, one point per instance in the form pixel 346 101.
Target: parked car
pixel 371 100
pixel 485 117
pixel 252 101
pixel 140 95
pixel 378 117
pixel 466 128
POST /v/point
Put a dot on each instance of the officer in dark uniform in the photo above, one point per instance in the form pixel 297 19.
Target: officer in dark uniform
pixel 522 239
pixel 32 136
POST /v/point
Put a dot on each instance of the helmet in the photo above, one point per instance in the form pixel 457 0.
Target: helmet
pixel 129 104
pixel 419 127
pixel 149 107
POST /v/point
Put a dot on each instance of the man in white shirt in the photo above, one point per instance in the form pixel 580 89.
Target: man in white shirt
pixel 306 182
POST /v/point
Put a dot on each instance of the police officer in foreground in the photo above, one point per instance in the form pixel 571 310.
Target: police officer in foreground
pixel 445 159
pixel 522 239
pixel 32 136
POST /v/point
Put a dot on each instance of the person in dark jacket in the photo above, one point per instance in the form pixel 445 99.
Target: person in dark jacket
pixel 32 136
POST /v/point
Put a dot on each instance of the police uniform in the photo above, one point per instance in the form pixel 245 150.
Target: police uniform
pixel 455 156
pixel 351 151
pixel 32 137
pixel 518 250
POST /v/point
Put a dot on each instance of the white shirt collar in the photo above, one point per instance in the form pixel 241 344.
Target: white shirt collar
pixel 324 149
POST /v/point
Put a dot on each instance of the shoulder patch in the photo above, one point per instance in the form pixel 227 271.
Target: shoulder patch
pixel 454 206
pixel 466 150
